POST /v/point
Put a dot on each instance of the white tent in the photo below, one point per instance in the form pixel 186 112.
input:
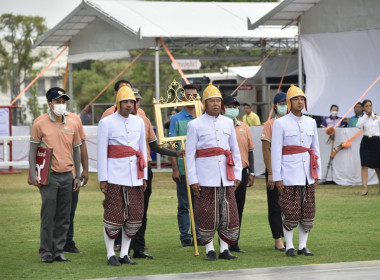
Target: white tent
pixel 100 29
pixel 339 42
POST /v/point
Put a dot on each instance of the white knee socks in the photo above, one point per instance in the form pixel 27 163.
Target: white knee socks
pixel 109 244
pixel 223 245
pixel 210 246
pixel 303 235
pixel 288 234
pixel 125 243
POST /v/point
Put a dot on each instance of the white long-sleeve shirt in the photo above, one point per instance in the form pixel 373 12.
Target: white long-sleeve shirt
pixel 300 131
pixel 209 132
pixel 370 125
pixel 117 130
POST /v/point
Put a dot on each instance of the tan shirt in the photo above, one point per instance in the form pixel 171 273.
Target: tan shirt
pixel 149 135
pixel 62 137
pixel 245 142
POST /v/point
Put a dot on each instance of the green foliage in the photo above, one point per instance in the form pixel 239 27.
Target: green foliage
pixel 19 33
pixel 33 107
pixel 346 229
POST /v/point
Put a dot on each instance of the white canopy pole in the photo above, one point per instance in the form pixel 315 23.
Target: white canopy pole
pixel 71 87
pixel 300 76
pixel 157 83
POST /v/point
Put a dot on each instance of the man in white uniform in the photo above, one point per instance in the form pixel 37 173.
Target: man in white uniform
pixel 122 174
pixel 214 172
pixel 296 169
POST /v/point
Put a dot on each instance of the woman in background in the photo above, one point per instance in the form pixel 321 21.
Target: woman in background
pixel 370 145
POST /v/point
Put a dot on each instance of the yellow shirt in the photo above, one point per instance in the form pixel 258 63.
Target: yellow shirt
pixel 252 119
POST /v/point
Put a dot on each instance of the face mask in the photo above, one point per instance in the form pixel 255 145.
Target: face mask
pixel 59 109
pixel 282 109
pixel 232 113
pixel 334 113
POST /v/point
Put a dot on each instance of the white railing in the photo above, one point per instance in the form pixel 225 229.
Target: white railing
pixel 4 140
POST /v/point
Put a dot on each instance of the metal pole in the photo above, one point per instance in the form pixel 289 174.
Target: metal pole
pixel 13 87
pixel 300 76
pixel 191 211
pixel 157 84
pixel 71 87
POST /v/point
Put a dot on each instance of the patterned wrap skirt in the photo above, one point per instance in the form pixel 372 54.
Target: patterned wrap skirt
pixel 123 208
pixel 216 210
pixel 298 206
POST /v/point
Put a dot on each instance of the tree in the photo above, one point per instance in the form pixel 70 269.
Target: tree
pixel 16 58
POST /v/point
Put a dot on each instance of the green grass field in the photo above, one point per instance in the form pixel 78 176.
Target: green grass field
pixel 347 228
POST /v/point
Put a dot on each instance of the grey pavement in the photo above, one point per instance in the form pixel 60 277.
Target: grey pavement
pixel 367 270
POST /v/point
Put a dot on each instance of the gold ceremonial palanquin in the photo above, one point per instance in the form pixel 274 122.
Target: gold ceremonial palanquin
pixel 176 97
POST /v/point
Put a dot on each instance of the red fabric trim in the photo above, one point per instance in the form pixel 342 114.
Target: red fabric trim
pixel 293 149
pixel 216 151
pixel 120 151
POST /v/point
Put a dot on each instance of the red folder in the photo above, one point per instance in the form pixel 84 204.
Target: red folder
pixel 43 165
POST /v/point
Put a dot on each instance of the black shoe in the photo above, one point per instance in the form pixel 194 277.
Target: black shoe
pixel 279 249
pixel 291 252
pixel 305 251
pixel 199 242
pixel 112 261
pixel 236 248
pixel 141 255
pixel 227 255
pixel 127 260
pixel 211 256
pixel 47 259
pixel 61 259
pixel 71 249
pixel 186 243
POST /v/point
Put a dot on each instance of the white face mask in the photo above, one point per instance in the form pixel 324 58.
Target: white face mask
pixel 282 109
pixel 59 109
pixel 334 113
pixel 232 113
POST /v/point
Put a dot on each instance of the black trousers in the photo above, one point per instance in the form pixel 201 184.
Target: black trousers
pixel 240 195
pixel 138 242
pixel 274 211
pixel 70 233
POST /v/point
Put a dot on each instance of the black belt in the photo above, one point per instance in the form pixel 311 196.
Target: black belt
pixel 371 136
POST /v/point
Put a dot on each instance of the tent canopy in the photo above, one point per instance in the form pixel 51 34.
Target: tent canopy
pixel 106 29
pixel 340 41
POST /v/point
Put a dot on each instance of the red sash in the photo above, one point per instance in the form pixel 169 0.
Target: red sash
pixel 217 151
pixel 119 151
pixel 293 149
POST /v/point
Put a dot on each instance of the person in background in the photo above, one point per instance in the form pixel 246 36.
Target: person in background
pixel 138 241
pixel 333 119
pixel 244 139
pixel 274 210
pixel 70 246
pixel 54 131
pixel 370 144
pixel 86 115
pixel 296 170
pixel 178 127
pixel 358 109
pixel 167 121
pixel 250 118
pixel 214 172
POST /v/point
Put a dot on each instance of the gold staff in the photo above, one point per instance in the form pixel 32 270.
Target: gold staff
pixel 176 97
